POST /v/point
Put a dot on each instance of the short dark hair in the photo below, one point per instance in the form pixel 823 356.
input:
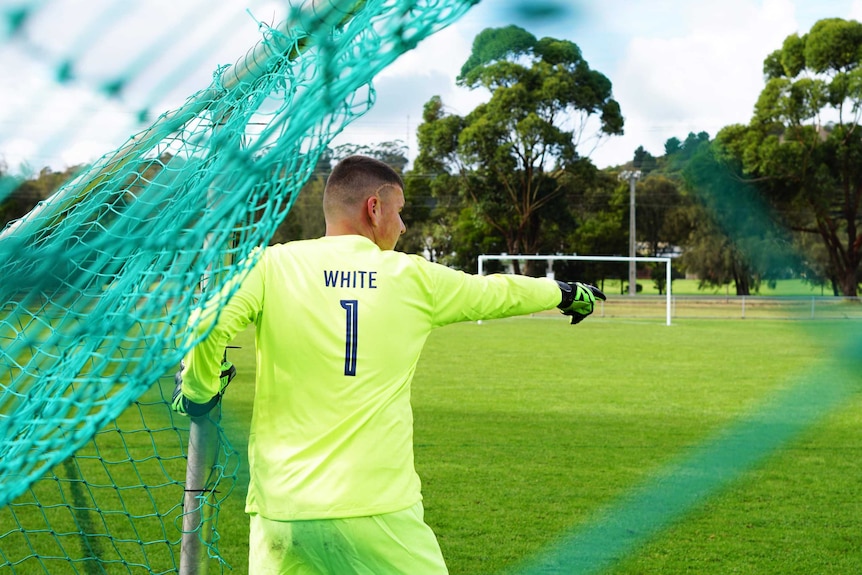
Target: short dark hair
pixel 355 178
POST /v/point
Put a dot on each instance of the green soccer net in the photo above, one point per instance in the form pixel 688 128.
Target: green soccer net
pixel 100 280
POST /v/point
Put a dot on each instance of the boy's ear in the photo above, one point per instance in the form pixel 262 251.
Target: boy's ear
pixel 372 207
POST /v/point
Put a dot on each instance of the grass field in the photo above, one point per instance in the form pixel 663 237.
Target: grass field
pixel 630 447
pixel 782 288
pixel 617 446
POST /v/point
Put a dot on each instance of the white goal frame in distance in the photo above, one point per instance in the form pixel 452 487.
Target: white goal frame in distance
pixel 551 258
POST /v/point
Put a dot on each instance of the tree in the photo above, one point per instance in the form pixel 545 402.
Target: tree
pixel 29 192
pixel 644 161
pixel 672 146
pixel 600 207
pixel 658 201
pixel 736 237
pixel 393 153
pixel 803 145
pixel 517 154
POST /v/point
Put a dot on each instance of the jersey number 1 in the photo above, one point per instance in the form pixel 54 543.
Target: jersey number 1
pixel 351 306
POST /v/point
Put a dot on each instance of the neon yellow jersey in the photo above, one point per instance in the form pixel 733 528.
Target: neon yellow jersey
pixel 340 325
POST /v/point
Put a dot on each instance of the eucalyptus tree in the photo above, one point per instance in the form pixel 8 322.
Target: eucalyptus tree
pixel 733 234
pixel 517 155
pixel 803 145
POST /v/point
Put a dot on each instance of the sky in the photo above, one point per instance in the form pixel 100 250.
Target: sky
pixel 676 66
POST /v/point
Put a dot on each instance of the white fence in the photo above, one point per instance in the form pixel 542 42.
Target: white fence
pixel 732 307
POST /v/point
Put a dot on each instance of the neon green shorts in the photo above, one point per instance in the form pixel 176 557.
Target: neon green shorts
pixel 388 544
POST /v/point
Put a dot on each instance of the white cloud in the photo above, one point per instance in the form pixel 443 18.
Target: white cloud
pixel 43 123
pixel 163 50
pixel 407 84
pixel 17 152
pixel 676 66
pixel 702 75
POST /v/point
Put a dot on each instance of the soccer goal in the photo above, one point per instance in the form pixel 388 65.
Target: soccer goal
pixel 550 259
pixel 101 280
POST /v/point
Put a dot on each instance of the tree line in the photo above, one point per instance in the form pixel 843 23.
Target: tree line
pixel 774 199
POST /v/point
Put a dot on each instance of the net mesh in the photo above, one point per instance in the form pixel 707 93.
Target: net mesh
pixel 115 506
pixel 100 280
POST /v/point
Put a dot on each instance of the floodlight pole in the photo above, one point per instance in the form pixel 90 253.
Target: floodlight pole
pixel 632 177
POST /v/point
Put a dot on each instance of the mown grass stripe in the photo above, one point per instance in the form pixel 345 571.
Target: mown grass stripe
pixel 620 528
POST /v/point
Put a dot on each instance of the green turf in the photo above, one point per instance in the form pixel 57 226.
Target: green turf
pixel 528 430
pixel 617 446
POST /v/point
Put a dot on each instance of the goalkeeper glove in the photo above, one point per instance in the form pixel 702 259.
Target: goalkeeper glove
pixel 184 406
pixel 578 299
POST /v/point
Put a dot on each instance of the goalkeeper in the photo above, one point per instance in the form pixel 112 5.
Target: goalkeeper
pixel 340 322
